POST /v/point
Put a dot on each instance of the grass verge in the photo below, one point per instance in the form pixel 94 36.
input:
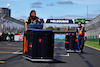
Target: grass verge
pixel 59 39
pixel 93 44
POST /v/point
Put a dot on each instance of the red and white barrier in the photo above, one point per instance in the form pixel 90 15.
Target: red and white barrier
pixel 18 37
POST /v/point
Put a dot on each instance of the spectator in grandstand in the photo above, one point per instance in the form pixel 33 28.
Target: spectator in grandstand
pixel 81 36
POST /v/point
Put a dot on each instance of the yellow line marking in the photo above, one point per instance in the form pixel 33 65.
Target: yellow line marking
pixel 5 52
pixel 11 47
pixel 11 52
pixel 2 61
pixel 92 47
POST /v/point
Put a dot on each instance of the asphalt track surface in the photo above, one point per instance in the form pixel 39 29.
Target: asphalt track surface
pixel 90 57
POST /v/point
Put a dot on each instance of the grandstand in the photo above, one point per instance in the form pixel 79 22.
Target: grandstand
pixel 93 27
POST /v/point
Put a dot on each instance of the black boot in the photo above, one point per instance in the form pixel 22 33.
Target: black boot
pixel 81 51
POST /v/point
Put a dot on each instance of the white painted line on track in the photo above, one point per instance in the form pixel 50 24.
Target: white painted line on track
pixel 61 54
pixel 17 52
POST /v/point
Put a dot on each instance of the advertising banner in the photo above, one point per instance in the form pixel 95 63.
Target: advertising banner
pixel 63 21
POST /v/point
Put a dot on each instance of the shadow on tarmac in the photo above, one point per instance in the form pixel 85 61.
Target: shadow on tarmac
pixel 88 53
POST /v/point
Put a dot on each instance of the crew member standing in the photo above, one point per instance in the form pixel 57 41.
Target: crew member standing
pixel 99 38
pixel 33 19
pixel 81 36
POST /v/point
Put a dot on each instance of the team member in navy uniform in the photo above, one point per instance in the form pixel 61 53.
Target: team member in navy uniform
pixel 81 35
pixel 33 19
pixel 99 38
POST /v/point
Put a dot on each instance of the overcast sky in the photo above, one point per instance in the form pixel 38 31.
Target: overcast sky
pixel 20 9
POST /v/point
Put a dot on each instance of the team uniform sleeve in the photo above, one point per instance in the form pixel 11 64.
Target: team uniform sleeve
pixel 38 20
pixel 28 21
pixel 84 29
